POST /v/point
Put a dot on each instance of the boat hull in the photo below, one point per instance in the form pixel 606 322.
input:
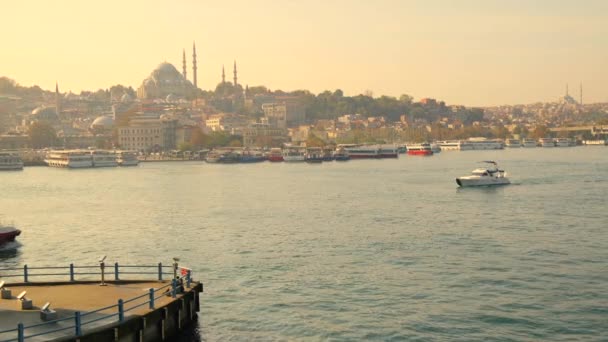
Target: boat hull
pixel 485 181
pixel 8 234
pixel 420 153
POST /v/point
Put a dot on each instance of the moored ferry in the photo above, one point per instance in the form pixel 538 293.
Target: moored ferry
pixel 103 158
pixel 10 161
pixel 127 158
pixel 599 142
pixel 512 143
pixel 340 154
pixel 423 149
pixel 563 142
pixel 453 145
pixel 480 143
pixel 314 155
pixel 527 142
pixel 73 159
pixel 388 151
pixel 356 151
pixel 294 154
pixel 546 142
pixel 275 155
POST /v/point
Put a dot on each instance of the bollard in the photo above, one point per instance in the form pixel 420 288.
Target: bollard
pixel 151 299
pixel 174 288
pixel 25 273
pixel 71 272
pixel 20 332
pixel 160 271
pixel 77 324
pixel 116 271
pixel 188 278
pixel 121 311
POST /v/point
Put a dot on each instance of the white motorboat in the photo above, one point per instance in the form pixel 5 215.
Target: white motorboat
pixel 485 176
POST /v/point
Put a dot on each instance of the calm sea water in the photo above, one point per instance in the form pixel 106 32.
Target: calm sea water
pixel 362 250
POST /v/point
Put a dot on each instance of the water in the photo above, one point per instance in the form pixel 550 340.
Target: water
pixel 362 250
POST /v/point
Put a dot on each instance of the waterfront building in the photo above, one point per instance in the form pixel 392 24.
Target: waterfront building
pixel 263 135
pixel 226 122
pixel 284 114
pixel 141 134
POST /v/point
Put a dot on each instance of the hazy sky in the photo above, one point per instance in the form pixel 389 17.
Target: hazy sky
pixel 471 52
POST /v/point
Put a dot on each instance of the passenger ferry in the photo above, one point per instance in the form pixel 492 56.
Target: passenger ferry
pixel 340 154
pixel 314 155
pixel 294 154
pixel 73 159
pixel 563 142
pixel 423 149
pixel 10 161
pixel 599 142
pixel 103 158
pixel 527 142
pixel 361 151
pixel 484 144
pixel 127 158
pixel 388 151
pixel 451 145
pixel 275 155
pixel 512 143
pixel 546 142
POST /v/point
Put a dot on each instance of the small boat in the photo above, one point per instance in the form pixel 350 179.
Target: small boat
pixel 294 154
pixel 252 157
pixel 423 149
pixel 8 233
pixel 485 176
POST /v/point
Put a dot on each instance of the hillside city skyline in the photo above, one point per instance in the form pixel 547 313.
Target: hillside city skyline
pixel 474 53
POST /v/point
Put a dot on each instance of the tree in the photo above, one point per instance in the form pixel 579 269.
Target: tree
pixel 185 146
pixel 42 134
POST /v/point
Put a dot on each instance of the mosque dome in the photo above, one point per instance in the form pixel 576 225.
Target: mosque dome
pixel 45 113
pixel 171 98
pixel 163 81
pixel 103 122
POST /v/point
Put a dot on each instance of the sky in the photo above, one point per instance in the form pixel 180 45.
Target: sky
pixel 468 52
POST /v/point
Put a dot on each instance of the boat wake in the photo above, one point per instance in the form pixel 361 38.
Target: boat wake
pixel 9 246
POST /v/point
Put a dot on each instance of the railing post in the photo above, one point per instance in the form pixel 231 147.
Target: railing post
pixel 20 332
pixel 116 271
pixel 152 299
pixel 160 271
pixel 71 272
pixel 77 323
pixel 188 278
pixel 121 311
pixel 25 273
pixel 175 260
pixel 174 288
pixel 102 265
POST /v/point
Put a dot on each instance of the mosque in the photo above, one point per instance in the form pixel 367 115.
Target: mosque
pixel 165 80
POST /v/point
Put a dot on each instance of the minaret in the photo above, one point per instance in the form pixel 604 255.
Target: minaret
pixel 223 75
pixel 57 99
pixel 234 70
pixel 194 65
pixel 581 99
pixel 184 72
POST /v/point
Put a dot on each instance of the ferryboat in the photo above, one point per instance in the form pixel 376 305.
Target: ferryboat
pixel 294 154
pixel 127 158
pixel 423 149
pixel 453 145
pixel 512 143
pixel 73 159
pixel 435 148
pixel 598 142
pixel 340 154
pixel 10 161
pixel 481 143
pixel 103 158
pixel 328 154
pixel 356 151
pixel 546 142
pixel 402 149
pixel 563 142
pixel 527 142
pixel 252 157
pixel 314 155
pixel 388 151
pixel 275 155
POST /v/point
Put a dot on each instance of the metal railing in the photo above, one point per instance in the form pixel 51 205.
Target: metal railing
pixel 82 319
